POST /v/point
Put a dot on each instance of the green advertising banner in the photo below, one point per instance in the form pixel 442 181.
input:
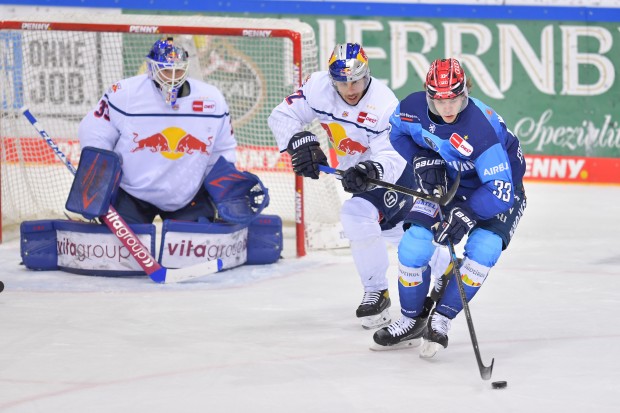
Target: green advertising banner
pixel 554 83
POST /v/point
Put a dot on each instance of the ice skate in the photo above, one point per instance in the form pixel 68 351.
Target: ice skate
pixel 436 335
pixel 374 312
pixel 401 334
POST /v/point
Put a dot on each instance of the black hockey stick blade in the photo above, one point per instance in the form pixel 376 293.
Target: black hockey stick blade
pixel 442 200
pixel 486 371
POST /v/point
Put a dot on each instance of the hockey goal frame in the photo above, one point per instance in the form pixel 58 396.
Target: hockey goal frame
pixel 187 25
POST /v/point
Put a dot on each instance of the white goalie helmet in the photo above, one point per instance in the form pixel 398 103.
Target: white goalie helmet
pixel 167 65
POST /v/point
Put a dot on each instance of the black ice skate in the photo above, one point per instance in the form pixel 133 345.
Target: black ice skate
pixel 373 311
pixel 436 335
pixel 406 332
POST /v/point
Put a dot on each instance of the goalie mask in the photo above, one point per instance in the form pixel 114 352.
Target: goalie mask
pixel 349 71
pixel 167 66
pixel 446 84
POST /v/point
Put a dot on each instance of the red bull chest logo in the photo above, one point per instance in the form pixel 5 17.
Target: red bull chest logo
pixel 173 143
pixel 342 144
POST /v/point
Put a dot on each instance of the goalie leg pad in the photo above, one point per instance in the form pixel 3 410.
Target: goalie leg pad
pixel 95 184
pixel 91 249
pixel 189 243
pixel 38 245
pixel 265 240
pixel 80 248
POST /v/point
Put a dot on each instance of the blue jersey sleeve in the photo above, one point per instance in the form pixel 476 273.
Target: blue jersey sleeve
pixel 404 128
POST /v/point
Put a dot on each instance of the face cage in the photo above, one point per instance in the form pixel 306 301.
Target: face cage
pixel 169 88
pixel 433 109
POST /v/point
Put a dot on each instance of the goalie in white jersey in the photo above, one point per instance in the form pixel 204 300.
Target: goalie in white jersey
pixel 354 109
pixel 168 130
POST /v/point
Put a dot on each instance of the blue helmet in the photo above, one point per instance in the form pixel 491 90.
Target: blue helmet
pixel 167 65
pixel 349 63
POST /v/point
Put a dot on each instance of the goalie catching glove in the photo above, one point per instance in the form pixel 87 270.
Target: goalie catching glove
pixel 454 226
pixel 355 179
pixel 238 196
pixel 306 154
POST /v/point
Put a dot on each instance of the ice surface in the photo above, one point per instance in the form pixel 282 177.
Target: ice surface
pixel 284 337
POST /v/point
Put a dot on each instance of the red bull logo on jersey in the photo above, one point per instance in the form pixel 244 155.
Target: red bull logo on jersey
pixel 173 143
pixel 342 144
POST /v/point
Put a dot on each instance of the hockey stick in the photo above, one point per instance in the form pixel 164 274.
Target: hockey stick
pixel 125 234
pixel 443 200
pixel 485 371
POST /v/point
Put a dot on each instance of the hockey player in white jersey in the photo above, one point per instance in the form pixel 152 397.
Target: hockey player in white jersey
pixel 354 109
pixel 168 130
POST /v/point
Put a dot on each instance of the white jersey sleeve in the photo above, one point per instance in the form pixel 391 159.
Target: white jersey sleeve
pixel 380 146
pixel 292 115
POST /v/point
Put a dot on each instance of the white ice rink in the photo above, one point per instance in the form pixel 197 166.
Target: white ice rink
pixel 284 338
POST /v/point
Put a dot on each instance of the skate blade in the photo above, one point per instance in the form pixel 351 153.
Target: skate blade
pixel 400 346
pixel 429 349
pixel 376 321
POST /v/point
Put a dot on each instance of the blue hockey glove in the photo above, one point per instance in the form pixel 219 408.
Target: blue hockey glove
pixel 455 225
pixel 430 174
pixel 306 154
pixel 355 179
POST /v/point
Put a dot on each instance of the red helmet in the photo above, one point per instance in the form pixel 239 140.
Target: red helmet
pixel 445 79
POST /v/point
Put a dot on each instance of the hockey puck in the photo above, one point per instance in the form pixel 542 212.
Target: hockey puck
pixel 499 384
pixel 1 286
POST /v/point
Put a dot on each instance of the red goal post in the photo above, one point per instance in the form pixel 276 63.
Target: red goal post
pixel 60 66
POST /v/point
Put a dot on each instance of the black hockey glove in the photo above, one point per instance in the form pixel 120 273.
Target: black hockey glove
pixel 430 174
pixel 454 226
pixel 355 179
pixel 306 154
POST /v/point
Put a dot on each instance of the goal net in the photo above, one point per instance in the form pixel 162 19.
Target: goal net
pixel 59 68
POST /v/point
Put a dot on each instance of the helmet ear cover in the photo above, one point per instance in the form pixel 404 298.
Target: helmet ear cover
pixel 349 63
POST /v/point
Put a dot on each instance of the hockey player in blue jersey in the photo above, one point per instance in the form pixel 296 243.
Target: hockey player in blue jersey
pixel 439 132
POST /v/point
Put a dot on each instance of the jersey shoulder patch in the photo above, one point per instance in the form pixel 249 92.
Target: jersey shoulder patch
pixel 115 88
pixel 461 145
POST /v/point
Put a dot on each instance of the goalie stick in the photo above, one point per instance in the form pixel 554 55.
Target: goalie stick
pixel 118 226
pixel 443 200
